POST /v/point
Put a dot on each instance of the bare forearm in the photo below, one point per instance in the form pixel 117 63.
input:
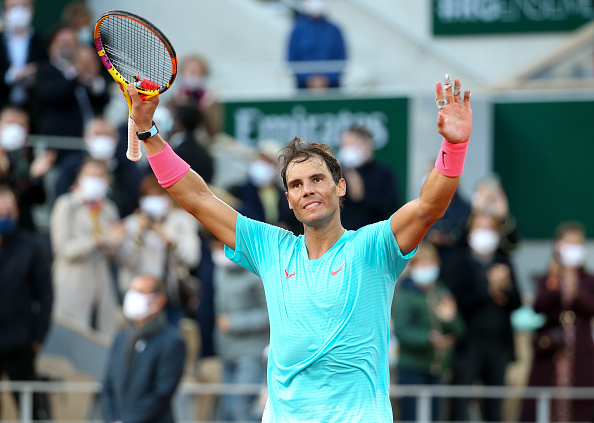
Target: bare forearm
pixel 436 194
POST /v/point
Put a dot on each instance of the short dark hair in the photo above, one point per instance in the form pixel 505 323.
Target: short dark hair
pixel 299 151
pixel 569 226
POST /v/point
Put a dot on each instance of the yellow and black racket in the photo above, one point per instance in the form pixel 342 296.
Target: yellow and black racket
pixel 135 51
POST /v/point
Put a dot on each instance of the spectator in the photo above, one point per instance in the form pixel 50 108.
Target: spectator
pixel 563 347
pixel 261 197
pixel 146 362
pixel 313 39
pixel 101 143
pixel 426 324
pixel 489 197
pixel 186 120
pixel 161 241
pixel 25 296
pixel 242 332
pixel 482 279
pixel 77 16
pixel 85 234
pixel 194 91
pixel 21 51
pixel 372 193
pixel 69 89
pixel 18 169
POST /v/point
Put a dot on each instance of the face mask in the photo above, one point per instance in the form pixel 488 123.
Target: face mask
pixel 315 8
pixel 483 241
pixel 220 259
pixel 572 255
pixel 425 275
pixel 85 35
pixel 18 18
pixel 154 206
pixel 92 188
pixel 137 306
pixel 163 119
pixel 12 137
pixel 67 54
pixel 101 147
pixel 7 225
pixel 262 173
pixel 193 82
pixel 352 156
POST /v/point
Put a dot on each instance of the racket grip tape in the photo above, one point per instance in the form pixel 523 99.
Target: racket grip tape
pixel 134 153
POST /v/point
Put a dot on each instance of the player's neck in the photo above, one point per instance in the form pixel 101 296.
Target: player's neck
pixel 318 240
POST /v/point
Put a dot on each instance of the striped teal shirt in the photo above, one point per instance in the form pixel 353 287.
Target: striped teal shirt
pixel 329 321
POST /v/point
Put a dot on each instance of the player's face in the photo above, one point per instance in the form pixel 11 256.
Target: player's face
pixel 312 193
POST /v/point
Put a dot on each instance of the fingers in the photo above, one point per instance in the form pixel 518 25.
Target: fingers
pixel 467 98
pixel 133 93
pixel 457 91
pixel 447 80
pixel 440 101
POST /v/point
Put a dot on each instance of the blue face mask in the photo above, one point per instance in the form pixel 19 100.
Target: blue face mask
pixel 7 225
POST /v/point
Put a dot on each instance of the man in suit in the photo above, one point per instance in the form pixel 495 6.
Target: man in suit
pixel 26 297
pixel 146 361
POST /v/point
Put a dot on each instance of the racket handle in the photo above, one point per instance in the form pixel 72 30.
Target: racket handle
pixel 133 152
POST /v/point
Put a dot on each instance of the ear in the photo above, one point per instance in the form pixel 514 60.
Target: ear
pixel 341 187
pixel 287 195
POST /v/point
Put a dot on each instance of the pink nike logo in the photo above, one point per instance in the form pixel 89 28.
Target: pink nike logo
pixel 287 273
pixel 334 272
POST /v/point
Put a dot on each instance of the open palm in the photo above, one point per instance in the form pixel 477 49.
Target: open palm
pixel 454 121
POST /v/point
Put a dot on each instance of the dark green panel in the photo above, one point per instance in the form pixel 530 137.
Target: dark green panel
pixel 48 14
pixel 463 17
pixel 324 121
pixel 544 154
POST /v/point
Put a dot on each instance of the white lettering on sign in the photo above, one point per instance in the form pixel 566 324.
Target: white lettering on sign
pixel 486 11
pixel 252 125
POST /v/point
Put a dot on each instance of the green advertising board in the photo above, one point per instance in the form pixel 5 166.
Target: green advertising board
pixel 324 120
pixel 543 153
pixel 462 17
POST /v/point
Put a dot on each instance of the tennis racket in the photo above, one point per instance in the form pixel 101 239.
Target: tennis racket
pixel 135 51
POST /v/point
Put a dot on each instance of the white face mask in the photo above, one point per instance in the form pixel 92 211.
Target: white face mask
pixel 192 81
pixel 425 275
pixel 572 255
pixel 92 188
pixel 101 147
pixel 352 156
pixel 137 306
pixel 483 241
pixel 262 173
pixel 18 18
pixel 12 137
pixel 154 206
pixel 85 35
pixel 315 8
pixel 220 259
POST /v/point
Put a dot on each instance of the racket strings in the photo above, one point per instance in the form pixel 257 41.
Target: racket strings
pixel 135 51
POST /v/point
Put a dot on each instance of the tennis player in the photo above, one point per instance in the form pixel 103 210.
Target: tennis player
pixel 328 291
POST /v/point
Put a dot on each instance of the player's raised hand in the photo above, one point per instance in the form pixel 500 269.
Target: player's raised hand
pixel 454 120
pixel 142 111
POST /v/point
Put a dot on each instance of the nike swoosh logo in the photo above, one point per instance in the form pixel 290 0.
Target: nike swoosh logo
pixel 334 272
pixel 443 153
pixel 287 273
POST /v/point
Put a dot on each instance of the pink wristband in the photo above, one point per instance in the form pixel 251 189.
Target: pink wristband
pixel 450 161
pixel 168 166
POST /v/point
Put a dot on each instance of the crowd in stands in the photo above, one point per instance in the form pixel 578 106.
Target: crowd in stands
pixel 125 260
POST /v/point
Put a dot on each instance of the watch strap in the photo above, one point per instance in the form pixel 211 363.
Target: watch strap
pixel 147 134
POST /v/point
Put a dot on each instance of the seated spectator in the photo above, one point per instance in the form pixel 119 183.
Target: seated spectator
pixel 25 298
pixel 21 52
pixel 194 91
pixel 563 347
pixel 162 241
pixel 69 89
pixel 146 361
pixel 426 324
pixel 261 196
pixel 483 281
pixel 314 38
pixel 86 233
pixel 18 169
pixel 101 143
pixel 242 332
pixel 372 193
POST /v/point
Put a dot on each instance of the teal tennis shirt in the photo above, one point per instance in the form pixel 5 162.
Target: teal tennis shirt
pixel 329 321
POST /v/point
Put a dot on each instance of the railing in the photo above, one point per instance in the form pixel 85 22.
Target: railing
pixel 423 393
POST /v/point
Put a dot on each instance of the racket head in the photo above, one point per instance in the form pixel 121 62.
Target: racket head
pixel 132 49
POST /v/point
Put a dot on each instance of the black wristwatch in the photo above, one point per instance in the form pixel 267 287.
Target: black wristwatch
pixel 147 134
